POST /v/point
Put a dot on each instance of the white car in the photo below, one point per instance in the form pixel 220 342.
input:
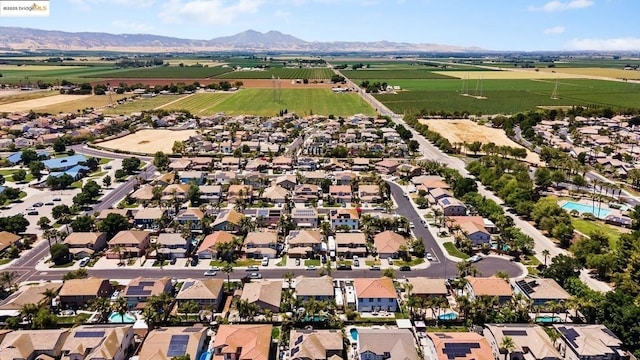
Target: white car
pixel 429 256
pixel 85 261
pixel 475 258
pixel 210 272
pixel 311 267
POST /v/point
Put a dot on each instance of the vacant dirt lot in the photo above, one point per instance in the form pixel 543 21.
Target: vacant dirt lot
pixel 40 103
pixel 463 130
pixel 149 141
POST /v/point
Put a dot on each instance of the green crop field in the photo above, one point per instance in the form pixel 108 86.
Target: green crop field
pixel 261 102
pixel 393 74
pixel 305 73
pixel 142 104
pixel 51 74
pixel 507 96
pixel 169 72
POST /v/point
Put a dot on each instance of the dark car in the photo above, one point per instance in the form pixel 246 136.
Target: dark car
pixel 344 267
pixel 194 261
pixel 33 212
pixel 405 268
pixel 38 204
pixel 173 261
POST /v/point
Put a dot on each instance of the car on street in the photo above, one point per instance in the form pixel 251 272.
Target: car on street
pixel 429 256
pixel 475 258
pixel 56 199
pixel 210 272
pixel 215 268
pixel 33 212
pixel 311 267
pixel 252 268
pixel 405 268
pixel 374 267
pixel 38 204
pixel 255 275
pixel 49 203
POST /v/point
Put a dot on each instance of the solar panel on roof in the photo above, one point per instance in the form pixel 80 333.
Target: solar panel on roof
pixel 191 329
pixel 187 285
pixel 445 201
pixel 89 334
pixel 570 334
pixel 178 345
pixel 514 332
pixel 294 351
pixel 454 350
pixel 609 332
pixel 146 283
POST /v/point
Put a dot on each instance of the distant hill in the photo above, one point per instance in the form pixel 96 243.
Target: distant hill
pixel 16 38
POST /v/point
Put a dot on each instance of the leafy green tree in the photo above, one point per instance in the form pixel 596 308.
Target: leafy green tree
pixel 44 222
pixel 161 161
pixel 113 224
pixel 106 181
pixel 193 194
pixel 59 211
pixel 76 274
pixel 542 177
pixel 474 147
pixel 83 223
pixel 131 165
pixel 59 253
pixel 2 179
pixel 36 168
pixel 59 145
pixel 14 224
pixel 19 175
pixel 562 268
pixel 28 155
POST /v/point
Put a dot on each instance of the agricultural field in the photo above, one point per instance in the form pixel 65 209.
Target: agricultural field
pixel 199 104
pixel 142 104
pixel 37 103
pixel 168 72
pixel 7 97
pixel 80 103
pixel 416 73
pixel 597 72
pixel 512 74
pixel 467 131
pixel 148 141
pixel 31 74
pixel 507 96
pixel 304 73
pixel 261 102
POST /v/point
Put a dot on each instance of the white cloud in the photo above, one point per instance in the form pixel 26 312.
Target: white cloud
pixel 131 27
pixel 284 15
pixel 555 5
pixel 86 4
pixel 622 44
pixel 207 11
pixel 554 30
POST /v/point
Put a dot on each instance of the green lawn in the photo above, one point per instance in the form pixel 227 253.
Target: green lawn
pixel 453 251
pixel 237 263
pixel 312 262
pixel 282 261
pixel 587 227
pixel 413 262
pixel 261 102
pixel 372 262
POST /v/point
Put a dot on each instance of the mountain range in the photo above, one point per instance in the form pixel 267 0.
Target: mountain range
pixel 20 39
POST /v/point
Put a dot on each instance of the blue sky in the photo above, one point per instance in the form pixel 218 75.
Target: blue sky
pixel 490 24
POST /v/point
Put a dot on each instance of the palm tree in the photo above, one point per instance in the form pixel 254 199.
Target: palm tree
pixel 28 311
pixel 228 269
pixel 151 316
pixel 118 249
pixel 153 248
pixel 7 278
pixel 288 276
pixel 121 307
pixel 546 254
pixel 507 344
pixel 49 295
pixel 103 306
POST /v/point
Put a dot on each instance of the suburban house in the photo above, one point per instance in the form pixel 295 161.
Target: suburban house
pixel 207 249
pixel 457 346
pixel 210 193
pixel 288 182
pixel 264 293
pixel 140 289
pixel 7 239
pixel 112 342
pixel 315 344
pixel 229 163
pixel 192 177
pixel 369 194
pixel 317 288
pixel 192 217
pixel 26 294
pixel 305 217
pixel 175 191
pixel 541 290
pixel 169 342
pixel 148 218
pixel 341 194
pixel 236 192
pixel 228 220
pixel 82 244
pixel 144 195
pixel 132 243
pixel 349 244
pixel 586 341
pixel 389 243
pixel 428 288
pixel 452 207
pixel 439 193
pixel 376 294
pixel 275 194
pixel 261 244
pixel 33 344
pixel 239 342
pixel 360 164
pixel 531 341
pixel 383 344
pixel 305 192
pixel 305 243
pixel 477 234
pixel 386 166
pixel 76 293
pixel 344 217
pixel 206 293
pixel 172 246
pixel 488 286
pixel 479 221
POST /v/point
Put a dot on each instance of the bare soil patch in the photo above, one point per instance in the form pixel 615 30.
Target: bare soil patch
pixel 40 103
pixel 149 141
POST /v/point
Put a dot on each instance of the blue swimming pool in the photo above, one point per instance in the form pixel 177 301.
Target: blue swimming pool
pixel 114 317
pixel 581 208
pixel 354 334
pixel 548 319
pixel 448 316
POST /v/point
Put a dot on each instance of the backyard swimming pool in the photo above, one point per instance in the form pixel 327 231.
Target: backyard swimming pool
pixel 114 317
pixel 448 316
pixel 354 334
pixel 548 319
pixel 582 208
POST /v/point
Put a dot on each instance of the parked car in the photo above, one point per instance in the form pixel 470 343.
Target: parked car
pixel 215 268
pixel 255 276
pixel 356 263
pixel 31 209
pixel 390 260
pixel 344 267
pixel 85 261
pixel 56 199
pixel 252 268
pixel 311 267
pixel 38 204
pixel 194 261
pixel 49 203
pixel 33 212
pixel 475 258
pixel 297 262
pixel 265 261
pixel 405 268
pixel 374 267
pixel 210 272
pixel 173 261
pixel 429 256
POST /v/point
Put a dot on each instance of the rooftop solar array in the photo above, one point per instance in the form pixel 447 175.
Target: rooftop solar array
pixel 454 350
pixel 445 201
pixel 89 334
pixel 570 334
pixel 138 291
pixel 146 283
pixel 514 332
pixel 526 286
pixel 187 285
pixel 178 345
pixel 191 329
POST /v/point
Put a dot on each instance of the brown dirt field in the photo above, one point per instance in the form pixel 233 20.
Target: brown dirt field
pixel 40 103
pixel 248 83
pixel 463 130
pixel 149 141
